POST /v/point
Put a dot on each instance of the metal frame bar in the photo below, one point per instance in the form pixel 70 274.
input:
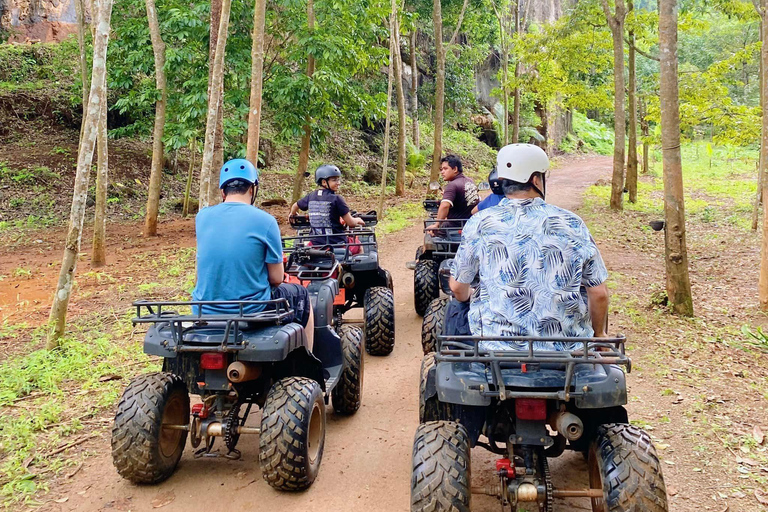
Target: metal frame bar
pixel 281 311
pixel 466 349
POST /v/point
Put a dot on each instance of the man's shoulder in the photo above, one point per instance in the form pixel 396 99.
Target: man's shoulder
pixel 567 215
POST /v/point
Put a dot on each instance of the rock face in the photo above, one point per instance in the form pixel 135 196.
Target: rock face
pixel 39 20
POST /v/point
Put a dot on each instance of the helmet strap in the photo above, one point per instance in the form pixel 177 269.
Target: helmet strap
pixel 255 192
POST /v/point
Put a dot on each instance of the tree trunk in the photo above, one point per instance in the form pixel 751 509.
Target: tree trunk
pixel 616 24
pixel 385 156
pixel 80 13
pixel 188 189
pixel 632 97
pixel 298 179
pixel 98 253
pixel 414 91
pixel 516 92
pixel 676 253
pixel 257 81
pixel 646 131
pixel 763 281
pixel 97 96
pixel 437 151
pixel 158 149
pixel 401 121
pixel 214 99
pixel 504 43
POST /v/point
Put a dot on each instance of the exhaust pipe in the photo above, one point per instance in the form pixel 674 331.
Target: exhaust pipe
pixel 348 280
pixel 240 371
pixel 567 425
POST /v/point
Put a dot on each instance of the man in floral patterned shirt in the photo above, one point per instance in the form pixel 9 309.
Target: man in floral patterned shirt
pixel 540 272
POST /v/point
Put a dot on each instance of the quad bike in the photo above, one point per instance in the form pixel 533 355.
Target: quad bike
pixel 362 282
pixel 530 405
pixel 233 362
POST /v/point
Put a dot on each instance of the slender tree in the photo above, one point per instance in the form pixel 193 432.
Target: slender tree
pixel 401 120
pixel 762 9
pixel 58 316
pixel 414 90
pixel 502 17
pixel 80 14
pixel 387 122
pixel 301 170
pixel 98 249
pixel 616 24
pixel 215 92
pixel 218 135
pixel 676 252
pixel 632 98
pixel 257 81
pixel 188 189
pixel 437 20
pixel 437 149
pixel 158 150
pixel 521 22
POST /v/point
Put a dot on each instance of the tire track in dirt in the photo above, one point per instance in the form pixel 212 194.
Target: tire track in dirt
pixel 367 459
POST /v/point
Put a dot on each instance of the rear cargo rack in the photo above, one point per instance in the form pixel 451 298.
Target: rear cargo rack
pixel 275 312
pixel 366 241
pixel 446 241
pixel 466 349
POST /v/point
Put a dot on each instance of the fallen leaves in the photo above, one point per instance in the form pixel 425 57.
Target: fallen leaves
pixel 761 496
pixel 757 434
pixel 163 499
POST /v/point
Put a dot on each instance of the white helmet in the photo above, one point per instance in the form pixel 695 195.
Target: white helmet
pixel 517 162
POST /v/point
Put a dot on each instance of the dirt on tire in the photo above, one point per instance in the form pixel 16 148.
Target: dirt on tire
pixel 379 310
pixel 347 395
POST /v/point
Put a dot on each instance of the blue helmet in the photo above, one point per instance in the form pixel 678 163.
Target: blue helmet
pixel 238 169
pixel 326 171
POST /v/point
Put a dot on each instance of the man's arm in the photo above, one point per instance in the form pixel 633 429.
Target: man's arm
pixel 351 221
pixel 597 298
pixel 294 209
pixel 462 291
pixel 275 273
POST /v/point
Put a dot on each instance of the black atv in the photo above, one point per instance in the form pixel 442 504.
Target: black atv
pixel 233 362
pixel 362 281
pixel 527 406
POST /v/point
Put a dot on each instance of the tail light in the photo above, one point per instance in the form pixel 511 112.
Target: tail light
pixel 531 409
pixel 213 361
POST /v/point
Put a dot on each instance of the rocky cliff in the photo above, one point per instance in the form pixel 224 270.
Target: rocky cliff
pixel 38 20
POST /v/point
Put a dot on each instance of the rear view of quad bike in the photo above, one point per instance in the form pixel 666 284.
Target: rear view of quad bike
pixel 527 406
pixel 362 281
pixel 233 362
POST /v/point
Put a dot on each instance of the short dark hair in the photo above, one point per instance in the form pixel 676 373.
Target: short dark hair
pixel 453 161
pixel 236 187
pixel 510 187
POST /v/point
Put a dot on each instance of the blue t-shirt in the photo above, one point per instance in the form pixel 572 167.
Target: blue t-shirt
pixel 491 200
pixel 235 241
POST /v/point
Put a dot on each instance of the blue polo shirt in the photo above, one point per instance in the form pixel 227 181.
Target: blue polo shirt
pixel 235 241
pixel 491 200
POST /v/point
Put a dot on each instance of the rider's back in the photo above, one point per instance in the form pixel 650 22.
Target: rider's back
pixel 535 261
pixel 235 241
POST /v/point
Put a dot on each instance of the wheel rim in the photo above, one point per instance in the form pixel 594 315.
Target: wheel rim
pixel 315 436
pixel 595 479
pixel 173 414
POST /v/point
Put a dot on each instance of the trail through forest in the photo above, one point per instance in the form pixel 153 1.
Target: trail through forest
pixel 367 460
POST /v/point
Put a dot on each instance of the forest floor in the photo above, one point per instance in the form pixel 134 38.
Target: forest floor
pixel 698 385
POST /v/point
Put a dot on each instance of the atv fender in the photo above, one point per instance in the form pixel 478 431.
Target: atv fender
pixel 459 384
pixel 602 389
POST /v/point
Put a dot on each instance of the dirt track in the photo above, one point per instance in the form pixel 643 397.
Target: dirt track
pixel 367 460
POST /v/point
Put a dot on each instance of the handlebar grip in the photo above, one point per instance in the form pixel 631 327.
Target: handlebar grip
pixel 318 253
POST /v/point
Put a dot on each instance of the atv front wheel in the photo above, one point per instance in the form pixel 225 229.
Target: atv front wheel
pixel 426 287
pixel 623 463
pixel 347 394
pixel 441 481
pixel 143 451
pixel 432 325
pixel 292 434
pixel 379 305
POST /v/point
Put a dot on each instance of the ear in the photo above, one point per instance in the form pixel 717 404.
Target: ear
pixel 223 195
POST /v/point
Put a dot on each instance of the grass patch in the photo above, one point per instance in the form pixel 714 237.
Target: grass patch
pixel 400 217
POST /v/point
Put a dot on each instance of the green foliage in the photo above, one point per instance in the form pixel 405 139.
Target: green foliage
pixel 400 217
pixel 40 67
pixel 588 136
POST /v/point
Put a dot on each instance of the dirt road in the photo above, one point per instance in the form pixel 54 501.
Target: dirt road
pixel 367 460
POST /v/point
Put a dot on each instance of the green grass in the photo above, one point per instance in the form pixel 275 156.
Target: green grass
pixel 588 136
pixel 722 193
pixel 400 217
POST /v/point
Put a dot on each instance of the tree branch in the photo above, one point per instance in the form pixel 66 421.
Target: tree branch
pixel 641 52
pixel 458 23
pixel 759 9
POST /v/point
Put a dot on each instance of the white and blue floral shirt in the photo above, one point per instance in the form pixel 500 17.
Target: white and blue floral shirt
pixel 534 261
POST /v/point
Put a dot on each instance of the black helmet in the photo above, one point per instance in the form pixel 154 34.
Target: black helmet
pixel 326 171
pixel 495 182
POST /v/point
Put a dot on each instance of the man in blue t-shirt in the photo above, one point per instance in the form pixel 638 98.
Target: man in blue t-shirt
pixel 239 251
pixel 496 195
pixel 327 208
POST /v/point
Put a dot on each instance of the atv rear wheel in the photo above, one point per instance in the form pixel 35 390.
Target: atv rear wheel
pixel 379 308
pixel 623 462
pixel 142 450
pixel 347 394
pixel 432 325
pixel 292 434
pixel 430 408
pixel 426 287
pixel 441 481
